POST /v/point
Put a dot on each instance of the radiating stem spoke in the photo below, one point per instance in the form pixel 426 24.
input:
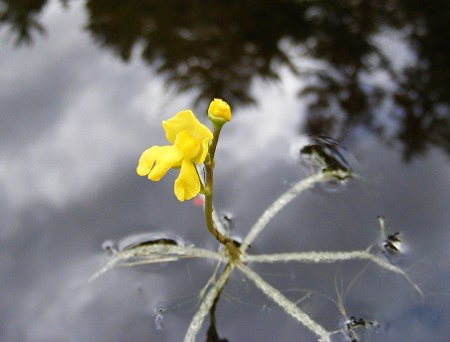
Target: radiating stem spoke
pixel 330 257
pixel 156 254
pixel 279 204
pixel 289 307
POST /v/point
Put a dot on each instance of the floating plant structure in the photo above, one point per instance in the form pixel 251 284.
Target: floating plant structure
pixel 193 153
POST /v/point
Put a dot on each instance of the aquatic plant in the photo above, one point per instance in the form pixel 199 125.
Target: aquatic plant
pixel 193 151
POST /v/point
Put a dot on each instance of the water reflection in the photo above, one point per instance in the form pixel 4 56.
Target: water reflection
pixel 53 249
pixel 218 48
pixel 21 17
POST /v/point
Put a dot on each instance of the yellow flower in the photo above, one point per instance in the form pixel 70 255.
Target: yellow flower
pixel 219 111
pixel 190 141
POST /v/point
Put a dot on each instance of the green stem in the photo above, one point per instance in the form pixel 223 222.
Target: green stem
pixel 212 147
pixel 209 165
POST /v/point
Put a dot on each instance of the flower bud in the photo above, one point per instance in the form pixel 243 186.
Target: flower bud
pixel 219 111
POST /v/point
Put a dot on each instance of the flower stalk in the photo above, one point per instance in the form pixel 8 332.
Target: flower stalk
pixel 219 113
pixel 209 167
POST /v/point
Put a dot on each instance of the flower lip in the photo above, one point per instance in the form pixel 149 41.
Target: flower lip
pixel 219 110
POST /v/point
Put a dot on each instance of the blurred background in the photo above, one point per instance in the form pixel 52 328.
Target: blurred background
pixel 84 86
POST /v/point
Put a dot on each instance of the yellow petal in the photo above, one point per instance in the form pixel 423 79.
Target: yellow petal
pixel 187 185
pixel 203 151
pixel 146 161
pixel 182 121
pixel 186 121
pixel 187 145
pixel 165 158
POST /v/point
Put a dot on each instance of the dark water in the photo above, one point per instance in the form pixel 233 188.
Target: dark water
pixel 83 89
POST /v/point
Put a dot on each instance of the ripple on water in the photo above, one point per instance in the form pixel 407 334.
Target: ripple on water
pixel 152 238
pixel 316 154
pixel 159 312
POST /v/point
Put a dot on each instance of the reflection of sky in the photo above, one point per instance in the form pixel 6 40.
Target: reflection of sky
pixel 63 112
pixel 73 122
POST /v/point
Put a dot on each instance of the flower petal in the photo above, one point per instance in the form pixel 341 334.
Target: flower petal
pixel 146 161
pixel 187 146
pixel 187 185
pixel 166 157
pixel 186 120
pixel 200 157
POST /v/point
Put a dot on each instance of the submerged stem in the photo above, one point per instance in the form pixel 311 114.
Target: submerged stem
pixel 207 303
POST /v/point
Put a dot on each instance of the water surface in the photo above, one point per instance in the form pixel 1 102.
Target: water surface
pixel 82 100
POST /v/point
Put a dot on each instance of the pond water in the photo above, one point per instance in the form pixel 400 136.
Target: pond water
pixel 84 87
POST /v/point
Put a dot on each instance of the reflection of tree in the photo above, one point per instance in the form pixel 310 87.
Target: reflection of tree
pixel 424 92
pixel 21 16
pixel 218 47
pixel 342 96
pixel 342 40
pixel 424 115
